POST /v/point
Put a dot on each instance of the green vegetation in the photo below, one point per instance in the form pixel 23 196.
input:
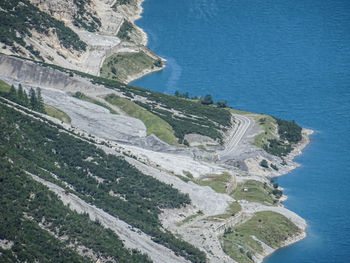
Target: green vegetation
pixel 269 126
pixel 82 96
pixel 218 183
pixel 269 227
pixel 232 110
pixel 19 17
pixel 4 87
pixel 232 210
pixel 84 18
pixel 189 218
pixel 278 148
pixel 45 150
pixel 288 131
pixel 264 163
pixel 57 113
pixel 123 2
pixel 183 115
pixel 153 123
pixel 120 66
pixel 273 166
pixel 221 104
pixel 239 246
pixel 26 203
pixel 254 191
pixel 34 102
pixel 125 29
pixel 207 100
pixel 184 95
pixel 194 117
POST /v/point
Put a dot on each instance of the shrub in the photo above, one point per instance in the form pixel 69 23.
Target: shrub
pixel 264 163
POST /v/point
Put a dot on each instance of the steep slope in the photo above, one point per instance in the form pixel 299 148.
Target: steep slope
pixel 216 187
pixel 78 34
pixel 108 182
pixel 134 175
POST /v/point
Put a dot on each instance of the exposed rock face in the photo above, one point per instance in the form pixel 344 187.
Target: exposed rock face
pixel 96 22
pixel 66 11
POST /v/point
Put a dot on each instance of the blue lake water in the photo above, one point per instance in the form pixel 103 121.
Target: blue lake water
pixel 290 59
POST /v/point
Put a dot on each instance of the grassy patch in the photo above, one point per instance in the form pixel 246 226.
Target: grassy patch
pixel 232 210
pixel 4 87
pixel 57 113
pixel 189 218
pixel 235 111
pixel 269 127
pixel 239 246
pixel 120 66
pixel 269 227
pixel 82 96
pixel 218 183
pixel 153 123
pixel 188 174
pixel 289 133
pixel 256 192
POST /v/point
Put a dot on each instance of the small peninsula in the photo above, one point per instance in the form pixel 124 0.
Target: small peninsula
pixel 97 170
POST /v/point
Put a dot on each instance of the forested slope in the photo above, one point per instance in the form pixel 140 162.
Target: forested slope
pixel 107 181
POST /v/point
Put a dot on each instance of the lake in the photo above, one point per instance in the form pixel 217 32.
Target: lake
pixel 289 59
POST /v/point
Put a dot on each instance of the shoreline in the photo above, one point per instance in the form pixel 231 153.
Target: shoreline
pixel 142 74
pixel 144 44
pixel 297 151
pixel 291 165
pixel 290 241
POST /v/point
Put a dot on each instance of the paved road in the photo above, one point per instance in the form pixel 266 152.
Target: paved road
pixel 236 136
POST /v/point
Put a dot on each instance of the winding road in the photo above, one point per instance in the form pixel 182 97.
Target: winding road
pixel 236 136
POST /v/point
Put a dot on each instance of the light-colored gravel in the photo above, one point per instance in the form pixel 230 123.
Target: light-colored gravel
pixel 130 237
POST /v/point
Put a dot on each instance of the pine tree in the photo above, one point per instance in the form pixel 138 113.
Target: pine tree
pixel 33 99
pixel 12 95
pixel 40 101
pixel 25 99
pixel 20 94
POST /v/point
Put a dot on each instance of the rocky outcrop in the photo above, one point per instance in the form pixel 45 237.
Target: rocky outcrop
pixel 97 23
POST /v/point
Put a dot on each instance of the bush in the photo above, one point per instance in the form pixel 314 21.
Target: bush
pixel 264 163
pixel 273 166
pixel 222 104
pixel 289 131
pixel 207 100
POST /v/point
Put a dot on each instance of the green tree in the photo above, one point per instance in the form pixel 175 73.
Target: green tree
pixel 222 104
pixel 158 63
pixel 25 99
pixel 40 101
pixel 33 99
pixel 20 94
pixel 264 164
pixel 12 94
pixel 207 100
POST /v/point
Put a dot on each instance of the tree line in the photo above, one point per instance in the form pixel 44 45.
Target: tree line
pixel 34 101
pixel 206 100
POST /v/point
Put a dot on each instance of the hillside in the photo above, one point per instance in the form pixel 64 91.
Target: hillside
pixel 83 35
pixel 96 170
